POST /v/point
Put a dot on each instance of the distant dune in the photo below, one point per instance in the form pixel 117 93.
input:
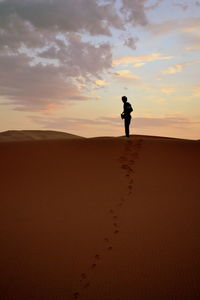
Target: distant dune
pixel 100 218
pixel 26 135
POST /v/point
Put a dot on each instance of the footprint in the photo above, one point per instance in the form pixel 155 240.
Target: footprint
pixel 132 162
pixel 83 276
pixel 97 256
pixel 127 161
pixel 76 295
pixel 86 285
pixel 124 167
pixel 93 266
pixel 130 169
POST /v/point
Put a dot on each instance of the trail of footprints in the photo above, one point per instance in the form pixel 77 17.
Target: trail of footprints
pixel 127 161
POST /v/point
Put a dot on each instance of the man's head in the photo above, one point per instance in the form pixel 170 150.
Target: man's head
pixel 124 99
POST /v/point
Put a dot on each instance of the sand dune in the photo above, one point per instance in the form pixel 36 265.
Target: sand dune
pixel 100 218
pixel 26 135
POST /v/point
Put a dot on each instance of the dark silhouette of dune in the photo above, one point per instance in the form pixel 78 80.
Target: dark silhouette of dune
pixel 26 135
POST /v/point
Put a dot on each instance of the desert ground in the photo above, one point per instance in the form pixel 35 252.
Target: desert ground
pixel 107 218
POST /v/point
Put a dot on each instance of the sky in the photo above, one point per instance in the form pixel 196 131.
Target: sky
pixel 65 64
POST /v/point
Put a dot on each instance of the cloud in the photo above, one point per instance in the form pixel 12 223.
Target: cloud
pixel 167 90
pixel 191 38
pixel 73 123
pixel 183 6
pixel 153 6
pixel 140 60
pixel 134 11
pixel 126 75
pixel 30 84
pixel 138 65
pixel 131 42
pixel 138 122
pixel 158 100
pixel 165 122
pixel 174 69
pixel 62 15
pixel 192 48
pixel 196 91
pixel 43 55
pixel 34 88
pixel 100 82
pixel 186 25
pixel 177 68
pixel 41 16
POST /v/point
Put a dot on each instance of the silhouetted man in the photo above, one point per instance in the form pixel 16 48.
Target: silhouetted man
pixel 126 115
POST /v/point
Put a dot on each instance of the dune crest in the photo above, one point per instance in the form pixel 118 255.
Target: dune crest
pixel 26 135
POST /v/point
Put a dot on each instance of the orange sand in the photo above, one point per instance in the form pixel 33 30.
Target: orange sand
pixel 100 219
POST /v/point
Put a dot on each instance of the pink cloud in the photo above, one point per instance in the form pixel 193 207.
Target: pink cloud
pixel 34 88
pixel 137 122
pixel 43 56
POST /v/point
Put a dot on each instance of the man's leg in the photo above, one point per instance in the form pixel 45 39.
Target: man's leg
pixel 127 123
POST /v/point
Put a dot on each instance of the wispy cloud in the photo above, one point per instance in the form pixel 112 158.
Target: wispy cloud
pixel 165 122
pixel 73 123
pixel 126 75
pixel 177 68
pixel 192 48
pixel 167 90
pixel 182 5
pixel 196 91
pixel 186 25
pixel 157 99
pixel 139 122
pixel 174 69
pixel 140 60
pixel 100 82
pixel 154 5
